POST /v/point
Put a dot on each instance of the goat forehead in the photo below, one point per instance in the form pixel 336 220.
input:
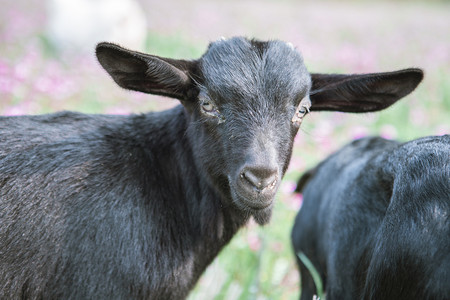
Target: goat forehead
pixel 241 68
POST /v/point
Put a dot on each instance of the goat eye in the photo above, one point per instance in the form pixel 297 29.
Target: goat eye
pixel 208 106
pixel 302 110
pixel 209 109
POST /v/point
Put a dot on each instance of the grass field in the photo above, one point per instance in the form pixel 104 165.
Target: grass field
pixel 340 37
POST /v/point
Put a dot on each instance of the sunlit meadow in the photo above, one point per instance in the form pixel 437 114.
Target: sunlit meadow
pixel 342 37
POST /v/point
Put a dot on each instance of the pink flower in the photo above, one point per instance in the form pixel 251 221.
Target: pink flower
pixel 358 132
pixel 442 129
pixel 389 132
pixel 4 68
pixel 297 163
pixel 25 107
pixel 254 242
pixel 293 201
pixel 7 85
pixel 288 187
pixel 118 110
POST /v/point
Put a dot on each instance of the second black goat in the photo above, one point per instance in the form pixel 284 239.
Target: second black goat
pixel 375 221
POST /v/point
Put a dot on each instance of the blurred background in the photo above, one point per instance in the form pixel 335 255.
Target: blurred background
pixel 47 64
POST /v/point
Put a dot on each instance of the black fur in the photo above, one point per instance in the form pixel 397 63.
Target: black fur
pixel 375 221
pixel 123 207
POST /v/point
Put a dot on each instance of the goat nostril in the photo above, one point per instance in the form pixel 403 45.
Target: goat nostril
pixel 260 178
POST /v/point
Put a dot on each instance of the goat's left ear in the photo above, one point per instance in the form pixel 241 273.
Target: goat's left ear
pixel 146 73
pixel 361 92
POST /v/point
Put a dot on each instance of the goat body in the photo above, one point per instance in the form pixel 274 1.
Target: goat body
pixel 375 221
pixel 130 207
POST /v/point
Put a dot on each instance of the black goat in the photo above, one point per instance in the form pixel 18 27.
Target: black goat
pixel 96 207
pixel 375 221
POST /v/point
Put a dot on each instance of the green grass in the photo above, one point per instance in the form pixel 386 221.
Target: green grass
pixel 173 46
pixel 314 274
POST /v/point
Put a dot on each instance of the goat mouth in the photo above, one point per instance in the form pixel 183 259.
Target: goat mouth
pixel 255 201
pixel 252 206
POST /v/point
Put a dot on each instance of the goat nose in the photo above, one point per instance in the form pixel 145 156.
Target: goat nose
pixel 260 177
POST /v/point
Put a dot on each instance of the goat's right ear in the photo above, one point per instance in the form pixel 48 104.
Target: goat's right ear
pixel 146 73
